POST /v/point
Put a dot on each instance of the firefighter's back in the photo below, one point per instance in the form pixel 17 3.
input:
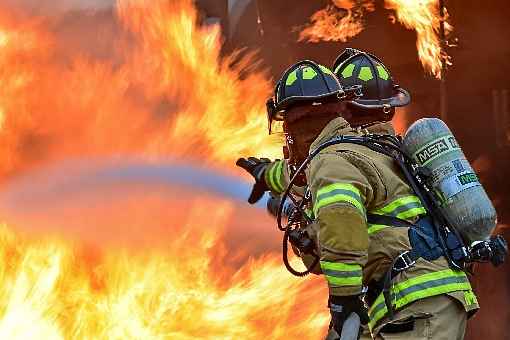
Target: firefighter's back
pixel 426 288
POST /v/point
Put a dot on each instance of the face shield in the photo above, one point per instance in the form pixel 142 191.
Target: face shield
pixel 274 118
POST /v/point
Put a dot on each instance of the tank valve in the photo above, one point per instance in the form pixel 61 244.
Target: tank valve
pixel 494 250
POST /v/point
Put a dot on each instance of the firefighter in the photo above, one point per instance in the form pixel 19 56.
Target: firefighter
pixel 348 182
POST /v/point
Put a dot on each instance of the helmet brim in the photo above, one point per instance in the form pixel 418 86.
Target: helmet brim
pixel 400 98
pixel 285 104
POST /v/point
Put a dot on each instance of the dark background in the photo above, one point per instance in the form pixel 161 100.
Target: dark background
pixel 476 87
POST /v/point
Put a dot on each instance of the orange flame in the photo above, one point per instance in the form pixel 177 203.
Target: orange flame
pixel 424 17
pixel 338 22
pixel 343 21
pixel 57 290
pixel 165 63
pixel 163 90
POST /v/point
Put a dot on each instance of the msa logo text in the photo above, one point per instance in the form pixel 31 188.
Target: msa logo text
pixel 468 178
pixel 436 148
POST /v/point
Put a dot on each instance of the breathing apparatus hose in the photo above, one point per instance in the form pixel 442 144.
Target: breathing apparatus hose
pixel 390 146
pixel 286 194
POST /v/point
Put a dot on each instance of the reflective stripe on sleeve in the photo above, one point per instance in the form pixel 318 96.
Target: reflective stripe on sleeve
pixel 420 287
pixel 338 193
pixel 342 274
pixel 274 177
pixel 373 228
pixel 403 208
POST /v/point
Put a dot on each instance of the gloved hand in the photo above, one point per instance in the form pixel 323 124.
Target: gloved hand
pixel 348 313
pixel 256 167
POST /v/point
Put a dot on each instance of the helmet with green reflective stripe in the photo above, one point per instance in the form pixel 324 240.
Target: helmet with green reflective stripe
pixel 304 82
pixel 354 67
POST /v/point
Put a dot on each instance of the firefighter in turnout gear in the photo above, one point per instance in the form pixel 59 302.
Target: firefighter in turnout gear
pixel 357 197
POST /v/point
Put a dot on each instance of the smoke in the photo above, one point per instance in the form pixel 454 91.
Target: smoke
pixel 45 7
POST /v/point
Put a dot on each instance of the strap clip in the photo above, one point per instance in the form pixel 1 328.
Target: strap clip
pixel 403 262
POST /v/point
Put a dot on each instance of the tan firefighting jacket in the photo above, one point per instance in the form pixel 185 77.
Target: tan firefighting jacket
pixel 346 182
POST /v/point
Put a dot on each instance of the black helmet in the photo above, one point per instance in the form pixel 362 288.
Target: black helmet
pixel 354 67
pixel 305 81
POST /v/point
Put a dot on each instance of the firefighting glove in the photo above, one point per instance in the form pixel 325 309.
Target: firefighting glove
pixel 348 313
pixel 256 167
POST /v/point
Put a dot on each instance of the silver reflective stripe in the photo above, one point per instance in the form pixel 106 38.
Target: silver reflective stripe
pixel 404 208
pixel 338 192
pixel 421 286
pixel 335 273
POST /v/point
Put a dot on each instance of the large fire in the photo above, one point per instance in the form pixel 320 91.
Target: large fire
pixel 161 90
pixel 67 104
pixel 344 20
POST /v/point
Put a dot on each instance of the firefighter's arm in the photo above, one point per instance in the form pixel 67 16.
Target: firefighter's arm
pixel 339 195
pixel 268 175
pixel 277 178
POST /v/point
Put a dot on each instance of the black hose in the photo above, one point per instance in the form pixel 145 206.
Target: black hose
pixel 286 262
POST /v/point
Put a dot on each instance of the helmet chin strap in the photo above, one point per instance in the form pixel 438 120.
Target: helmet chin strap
pixel 363 118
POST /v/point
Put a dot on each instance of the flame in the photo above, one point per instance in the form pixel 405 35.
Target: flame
pixel 57 290
pixel 343 21
pixel 338 22
pixel 163 61
pixel 424 17
pixel 163 89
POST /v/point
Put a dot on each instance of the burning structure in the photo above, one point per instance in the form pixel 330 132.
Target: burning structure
pixel 151 79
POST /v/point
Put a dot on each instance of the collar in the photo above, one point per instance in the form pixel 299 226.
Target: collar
pixel 340 127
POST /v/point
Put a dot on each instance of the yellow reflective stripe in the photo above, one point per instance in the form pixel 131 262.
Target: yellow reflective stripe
pixel 309 213
pixel 274 177
pixel 388 209
pixel 420 287
pixel 269 177
pixel 337 193
pixel 404 208
pixel 339 198
pixel 412 213
pixel 418 295
pixel 339 186
pixel 344 281
pixel 373 228
pixel 345 267
pixel 470 298
pixel 428 277
pixel 278 176
pixel 418 280
pixel 342 274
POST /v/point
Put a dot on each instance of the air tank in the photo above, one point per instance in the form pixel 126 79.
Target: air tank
pixel 462 198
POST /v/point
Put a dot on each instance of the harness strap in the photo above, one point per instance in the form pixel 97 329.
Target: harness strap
pixel 402 262
pixel 388 220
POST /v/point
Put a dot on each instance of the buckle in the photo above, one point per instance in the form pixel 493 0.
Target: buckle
pixel 403 262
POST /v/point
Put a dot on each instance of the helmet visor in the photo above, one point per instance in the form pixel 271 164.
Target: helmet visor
pixel 274 117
